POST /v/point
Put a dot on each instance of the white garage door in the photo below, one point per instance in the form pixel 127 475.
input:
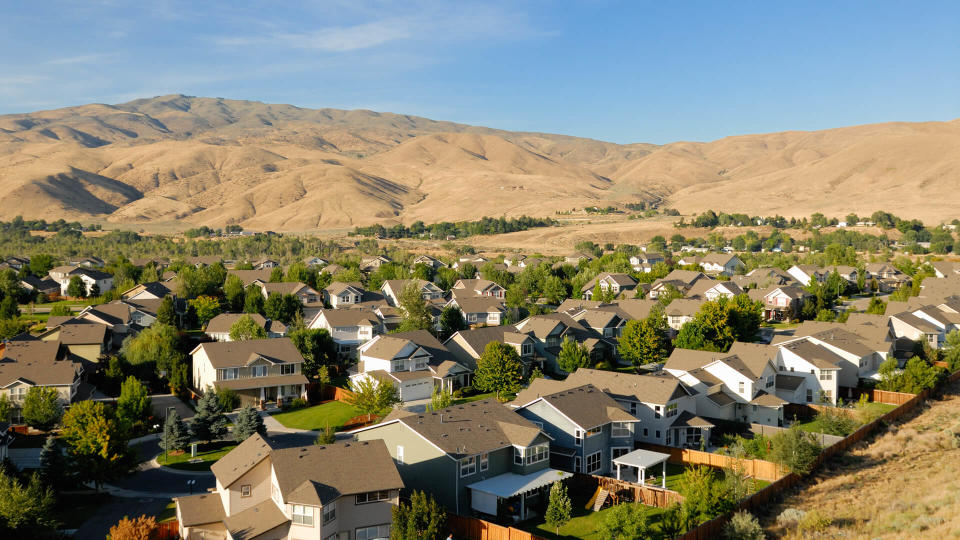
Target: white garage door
pixel 417 389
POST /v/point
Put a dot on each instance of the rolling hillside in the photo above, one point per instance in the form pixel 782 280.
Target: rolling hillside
pixel 207 161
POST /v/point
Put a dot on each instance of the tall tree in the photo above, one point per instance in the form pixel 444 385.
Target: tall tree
pixel 248 422
pixel 96 442
pixel 627 521
pixel 451 321
pixel 176 435
pixel 42 408
pixel 317 347
pixel 498 369
pixel 253 300
pixel 166 313
pixel 572 356
pixel 234 293
pixel 76 288
pixel 422 519
pixel 53 464
pixel 245 328
pixel 645 341
pixel 208 423
pixel 6 408
pixel 26 511
pixel 206 308
pixel 9 308
pixel 416 315
pixel 276 275
pixel 155 347
pixel 795 449
pixel 559 507
pixel 133 405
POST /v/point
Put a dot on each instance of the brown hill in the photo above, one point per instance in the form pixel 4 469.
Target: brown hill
pixel 215 162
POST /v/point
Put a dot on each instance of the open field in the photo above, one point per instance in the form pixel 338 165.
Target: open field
pixel 903 484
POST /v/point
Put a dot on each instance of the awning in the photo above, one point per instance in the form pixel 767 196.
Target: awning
pixel 507 485
pixel 644 459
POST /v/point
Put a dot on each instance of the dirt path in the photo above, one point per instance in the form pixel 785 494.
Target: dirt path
pixel 904 484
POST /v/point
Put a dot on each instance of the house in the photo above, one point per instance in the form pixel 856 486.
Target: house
pixel 944 269
pixel 87 262
pixel 681 280
pixel 720 264
pixel 681 311
pixel 610 283
pixel 665 407
pixel 16 263
pixel 644 262
pixel 822 369
pixel 147 291
pixel 259 370
pixel 784 303
pixel 584 424
pixel 369 264
pixel 480 310
pixel 265 263
pixel 478 287
pixel 478 457
pixel 848 273
pixel 339 294
pixel 577 258
pixel 763 278
pixel 550 330
pixel 143 313
pixel 710 290
pixel 305 293
pixel 927 323
pixel 413 362
pixel 249 277
pixel 203 260
pixel 218 329
pixel 429 261
pixel 87 340
pixel 804 273
pixel 467 346
pixel 117 316
pixel 30 363
pixel 90 277
pixel 306 492
pixel 392 288
pixel 475 260
pixel 608 321
pixel 349 328
pixel 888 277
pixel 315 262
pixel 45 286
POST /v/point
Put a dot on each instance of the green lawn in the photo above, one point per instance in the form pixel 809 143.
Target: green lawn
pixel 169 513
pixel 80 303
pixel 208 453
pixel 872 410
pixel 584 523
pixel 476 397
pixel 318 417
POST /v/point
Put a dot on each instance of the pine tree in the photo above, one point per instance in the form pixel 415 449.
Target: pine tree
pixel 175 436
pixel 166 314
pixel 248 423
pixel 209 423
pixel 53 463
pixel 559 507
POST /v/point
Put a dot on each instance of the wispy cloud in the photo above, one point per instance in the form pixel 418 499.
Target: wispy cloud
pixel 95 58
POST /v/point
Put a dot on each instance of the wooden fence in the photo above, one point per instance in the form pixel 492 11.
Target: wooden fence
pixel 469 528
pixel 648 495
pixel 168 530
pixel 757 468
pixel 906 404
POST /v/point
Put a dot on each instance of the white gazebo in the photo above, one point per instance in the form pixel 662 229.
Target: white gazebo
pixel 643 460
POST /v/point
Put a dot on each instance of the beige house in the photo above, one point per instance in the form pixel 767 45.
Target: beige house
pixel 218 328
pixel 26 364
pixel 339 294
pixel 305 493
pixel 88 340
pixel 258 369
pixel 303 292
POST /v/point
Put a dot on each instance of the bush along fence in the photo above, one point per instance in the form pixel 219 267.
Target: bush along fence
pixel 906 404
pixel 757 468
pixel 469 528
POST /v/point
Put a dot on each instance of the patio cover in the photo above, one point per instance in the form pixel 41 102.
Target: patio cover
pixel 642 458
pixel 507 485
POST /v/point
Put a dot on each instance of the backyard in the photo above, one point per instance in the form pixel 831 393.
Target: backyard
pixel 583 523
pixel 207 453
pixel 332 413
pixel 842 425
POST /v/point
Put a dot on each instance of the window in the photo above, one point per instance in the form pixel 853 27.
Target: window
pixel 526 349
pixel 576 464
pixel 484 461
pixel 594 431
pixel 399 365
pixel 658 434
pixel 672 410
pixel 531 454
pixel 288 369
pixel 329 513
pixel 809 395
pixel 593 463
pixel 229 373
pixel 468 466
pixel 633 407
pixel 742 388
pixel 646 432
pixel 621 429
pixel 770 380
pixel 373 496
pixel 826 375
pixel 245 490
pixel 618 451
pixel 656 411
pixel 420 363
pixel 399 454
pixel 375 532
pixel 303 515
pixel 258 371
pixel 578 438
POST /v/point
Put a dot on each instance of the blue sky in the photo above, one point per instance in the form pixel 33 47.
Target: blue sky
pixel 630 71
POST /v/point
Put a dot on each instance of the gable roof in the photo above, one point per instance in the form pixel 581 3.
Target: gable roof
pixel 348 317
pixel 690 359
pixel 586 406
pixel 818 355
pixel 285 287
pixel 479 304
pixel 37 362
pixel 223 322
pixel 249 276
pixel 647 388
pixel 237 353
pixel 755 356
pixel 241 459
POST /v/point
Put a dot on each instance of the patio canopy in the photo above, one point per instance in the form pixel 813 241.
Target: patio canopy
pixel 507 485
pixel 642 458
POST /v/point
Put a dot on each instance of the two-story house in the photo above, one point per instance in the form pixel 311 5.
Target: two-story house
pixel 821 368
pixel 369 264
pixel 349 328
pixel 339 294
pixel 925 323
pixel 644 262
pixel 414 362
pixel 805 273
pixel 476 458
pixel 93 280
pixel 479 310
pixel 478 287
pixel 681 311
pixel 87 340
pixel 260 370
pixel 720 264
pixel 307 492
pixel 147 291
pixel 610 283
pixel 585 425
pixel 30 363
pixel 784 303
pixel 218 329
pixel 467 346
pixel 681 280
pixel 551 329
pixel 392 288
pixel 303 292
pixel 427 260
pixel 711 290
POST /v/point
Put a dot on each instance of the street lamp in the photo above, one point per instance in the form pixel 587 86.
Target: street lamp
pixel 191 483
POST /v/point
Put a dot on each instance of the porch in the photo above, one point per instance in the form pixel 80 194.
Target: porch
pixel 514 497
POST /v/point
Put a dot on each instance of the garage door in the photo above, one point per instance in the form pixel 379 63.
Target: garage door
pixel 414 390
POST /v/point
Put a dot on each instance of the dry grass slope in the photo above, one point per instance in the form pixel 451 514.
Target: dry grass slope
pixel 904 484
pixel 215 162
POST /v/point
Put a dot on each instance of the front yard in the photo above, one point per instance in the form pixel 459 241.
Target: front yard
pixel 333 413
pixel 208 454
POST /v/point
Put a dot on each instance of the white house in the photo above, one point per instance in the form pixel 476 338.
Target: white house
pixel 339 294
pixel 720 264
pixel 392 288
pixel 349 328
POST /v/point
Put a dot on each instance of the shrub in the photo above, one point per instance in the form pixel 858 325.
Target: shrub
pixel 327 436
pixel 835 422
pixel 790 516
pixel 814 522
pixel 229 398
pixel 743 526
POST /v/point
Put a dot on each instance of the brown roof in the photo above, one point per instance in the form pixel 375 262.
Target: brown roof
pixel 386 347
pixel 817 355
pixel 587 406
pixel 470 428
pixel 36 362
pixel 256 520
pixel 690 359
pixel 645 388
pixel 479 304
pixel 200 509
pixel 349 317
pixel 82 334
pixel 237 353
pixel 223 322
pixel 249 276
pixel 755 356
pixel 789 382
pixel 764 399
pixel 286 287
pixel 318 474
pixel 241 459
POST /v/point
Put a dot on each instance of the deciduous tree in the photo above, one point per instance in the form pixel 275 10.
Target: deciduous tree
pixel 416 316
pixel 96 442
pixel 572 356
pixel 498 369
pixel 245 328
pixel 141 528
pixel 371 396
pixel 559 507
pixel 422 519
pixel 206 308
pixel 317 347
pixel 155 347
pixel 626 521
pixel 42 408
pixel 133 405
